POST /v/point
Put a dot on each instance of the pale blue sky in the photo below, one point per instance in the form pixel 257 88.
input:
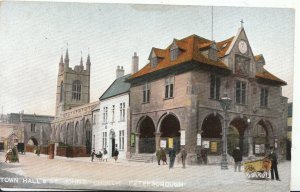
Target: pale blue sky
pixel 33 35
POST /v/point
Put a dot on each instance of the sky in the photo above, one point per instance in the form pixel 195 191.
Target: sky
pixel 35 34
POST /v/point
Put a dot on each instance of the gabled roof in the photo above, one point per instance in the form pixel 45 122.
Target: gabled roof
pixel 119 86
pixel 259 57
pixel 189 52
pixel 269 76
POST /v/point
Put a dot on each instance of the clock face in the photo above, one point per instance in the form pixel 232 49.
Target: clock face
pixel 243 46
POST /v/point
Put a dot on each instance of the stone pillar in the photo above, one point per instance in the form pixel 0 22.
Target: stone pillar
pixel 250 143
pixel 137 141
pixel 157 140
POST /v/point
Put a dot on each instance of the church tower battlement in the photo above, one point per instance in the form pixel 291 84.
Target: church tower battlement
pixel 73 84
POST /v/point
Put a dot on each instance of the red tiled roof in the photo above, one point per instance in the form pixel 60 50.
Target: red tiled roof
pixel 269 76
pixel 258 57
pixel 223 46
pixel 190 52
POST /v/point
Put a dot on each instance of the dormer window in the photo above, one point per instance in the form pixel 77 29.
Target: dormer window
pixel 153 61
pixel 174 51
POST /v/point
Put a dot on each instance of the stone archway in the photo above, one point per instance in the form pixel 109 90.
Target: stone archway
pixel 262 137
pixel 32 141
pixel 235 137
pixel 76 129
pixel 146 135
pixel 211 131
pixel 169 128
pixel 88 137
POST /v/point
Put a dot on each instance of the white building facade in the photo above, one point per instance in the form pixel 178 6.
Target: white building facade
pixel 113 125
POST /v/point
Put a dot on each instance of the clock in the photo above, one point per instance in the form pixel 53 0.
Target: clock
pixel 243 46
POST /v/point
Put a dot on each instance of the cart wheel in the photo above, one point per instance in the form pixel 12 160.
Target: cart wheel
pixel 248 174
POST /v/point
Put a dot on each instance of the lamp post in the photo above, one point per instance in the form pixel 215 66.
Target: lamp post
pixel 225 102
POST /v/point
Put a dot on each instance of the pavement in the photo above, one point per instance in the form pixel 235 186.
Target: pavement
pixel 81 173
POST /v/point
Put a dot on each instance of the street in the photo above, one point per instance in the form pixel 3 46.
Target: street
pixel 81 173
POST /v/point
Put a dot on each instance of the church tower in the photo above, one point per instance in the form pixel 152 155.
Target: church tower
pixel 73 85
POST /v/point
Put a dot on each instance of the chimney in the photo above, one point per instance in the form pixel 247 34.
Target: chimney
pixel 119 72
pixel 213 51
pixel 135 63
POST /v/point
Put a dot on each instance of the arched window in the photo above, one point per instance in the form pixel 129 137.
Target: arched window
pixel 61 91
pixel 76 90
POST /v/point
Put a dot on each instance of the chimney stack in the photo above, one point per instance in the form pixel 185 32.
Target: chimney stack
pixel 135 63
pixel 119 72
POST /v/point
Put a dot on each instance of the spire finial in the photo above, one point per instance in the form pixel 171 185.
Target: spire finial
pixel 81 62
pixel 242 22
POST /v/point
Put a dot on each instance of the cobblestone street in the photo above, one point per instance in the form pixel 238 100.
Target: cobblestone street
pixel 82 173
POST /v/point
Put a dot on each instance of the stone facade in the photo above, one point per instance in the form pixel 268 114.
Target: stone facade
pixel 33 129
pixel 191 115
pixel 72 126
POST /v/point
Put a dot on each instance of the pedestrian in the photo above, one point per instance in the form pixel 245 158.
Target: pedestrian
pixel 203 155
pixel 15 157
pixel 274 170
pixel 164 156
pixel 116 153
pixel 104 154
pixel 237 156
pixel 8 156
pixel 172 155
pixel 183 156
pixel 38 150
pixel 93 155
pixel 158 155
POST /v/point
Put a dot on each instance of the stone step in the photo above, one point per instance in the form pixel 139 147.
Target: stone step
pixel 148 158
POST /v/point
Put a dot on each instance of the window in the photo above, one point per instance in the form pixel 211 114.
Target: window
pixel 264 97
pixel 122 111
pixel 153 61
pixel 146 93
pixel 240 92
pixel 174 51
pixel 121 140
pixel 104 139
pixel 61 91
pixel 215 82
pixel 169 87
pixel 105 114
pixel 32 127
pixel 113 113
pixel 76 90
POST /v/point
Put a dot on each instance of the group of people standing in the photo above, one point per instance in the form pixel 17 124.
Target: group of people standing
pixel 104 155
pixel 162 155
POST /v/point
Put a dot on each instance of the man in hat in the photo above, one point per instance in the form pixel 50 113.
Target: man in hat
pixel 237 156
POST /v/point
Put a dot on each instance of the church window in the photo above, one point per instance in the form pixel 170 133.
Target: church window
pixel 169 87
pixel 215 82
pixel 264 97
pixel 76 90
pixel 240 92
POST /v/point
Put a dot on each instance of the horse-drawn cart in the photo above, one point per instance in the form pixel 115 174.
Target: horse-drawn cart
pixel 258 168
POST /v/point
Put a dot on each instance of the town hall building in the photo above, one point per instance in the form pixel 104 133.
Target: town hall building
pixel 174 99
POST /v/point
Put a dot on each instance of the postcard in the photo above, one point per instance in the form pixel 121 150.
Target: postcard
pixel 146 96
